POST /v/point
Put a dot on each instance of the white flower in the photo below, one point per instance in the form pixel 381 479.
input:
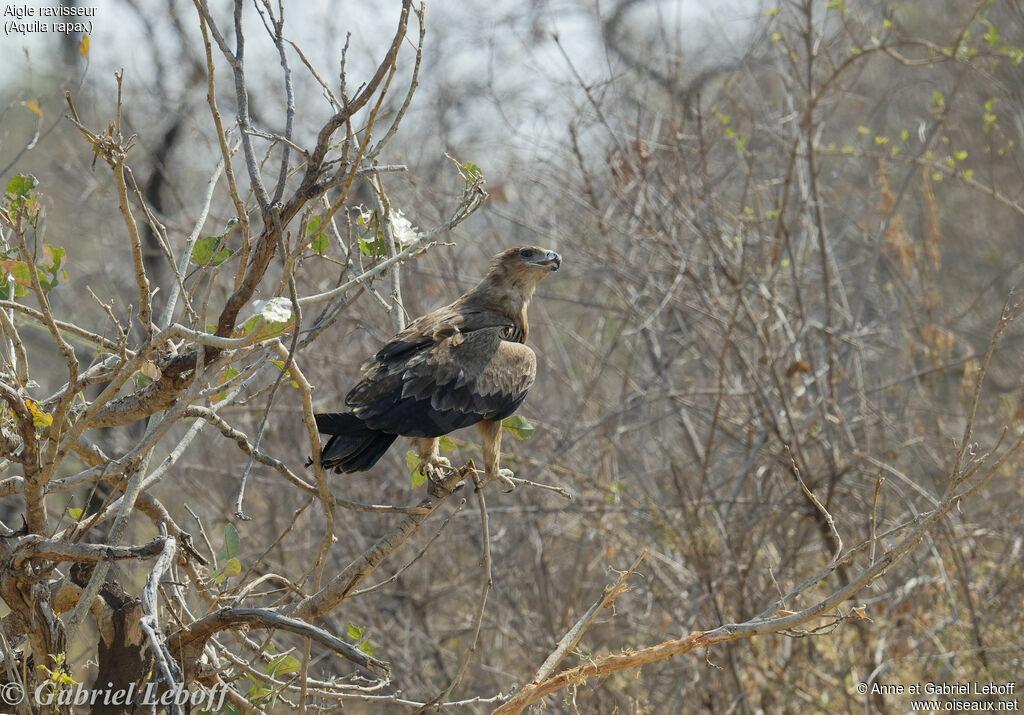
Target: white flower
pixel 402 228
pixel 275 310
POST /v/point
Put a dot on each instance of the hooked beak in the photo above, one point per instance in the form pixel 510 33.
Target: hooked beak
pixel 552 261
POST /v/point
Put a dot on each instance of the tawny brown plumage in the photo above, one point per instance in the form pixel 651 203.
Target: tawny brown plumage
pixel 460 365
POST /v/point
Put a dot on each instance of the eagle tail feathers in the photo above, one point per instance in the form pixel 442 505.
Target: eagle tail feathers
pixel 353 447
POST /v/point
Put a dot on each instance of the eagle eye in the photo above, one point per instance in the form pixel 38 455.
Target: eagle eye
pixel 526 253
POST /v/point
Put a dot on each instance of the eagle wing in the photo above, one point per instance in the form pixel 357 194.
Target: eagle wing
pixel 431 329
pixel 429 382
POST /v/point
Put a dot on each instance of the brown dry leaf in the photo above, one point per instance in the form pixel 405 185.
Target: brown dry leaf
pixel 896 242
pixel 798 366
pixel 970 374
pixel 939 340
pixel 931 236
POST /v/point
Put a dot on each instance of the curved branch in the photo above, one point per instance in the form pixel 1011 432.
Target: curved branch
pixel 193 639
pixel 36 547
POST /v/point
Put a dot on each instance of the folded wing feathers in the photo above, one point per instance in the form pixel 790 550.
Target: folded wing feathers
pixel 476 372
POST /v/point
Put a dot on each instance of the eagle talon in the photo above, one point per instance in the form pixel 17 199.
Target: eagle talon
pixel 437 489
pixel 435 470
pixel 502 475
pixel 434 465
pixel 505 475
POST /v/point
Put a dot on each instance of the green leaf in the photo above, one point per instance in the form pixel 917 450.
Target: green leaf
pixel 75 514
pixel 444 444
pixel 209 251
pixel 320 244
pixel 52 259
pixel 21 273
pixel 374 248
pixel 518 426
pixel 412 461
pixel 21 185
pixel 19 198
pixel 230 547
pixel 366 647
pixel 258 691
pixel 472 170
pixel 282 665
pixel 232 567
pixel 313 225
pixel 226 376
pixel 319 240
pixel 354 632
pixel 248 325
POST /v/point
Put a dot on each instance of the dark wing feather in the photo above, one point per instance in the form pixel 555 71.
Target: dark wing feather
pixel 433 389
pixel 431 329
pixel 352 447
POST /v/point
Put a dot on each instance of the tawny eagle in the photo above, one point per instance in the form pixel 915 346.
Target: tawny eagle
pixel 463 364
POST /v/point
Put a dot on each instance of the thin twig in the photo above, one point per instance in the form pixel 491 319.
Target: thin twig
pixel 573 635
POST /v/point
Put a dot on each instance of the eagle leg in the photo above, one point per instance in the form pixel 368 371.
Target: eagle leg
pixel 432 464
pixel 490 434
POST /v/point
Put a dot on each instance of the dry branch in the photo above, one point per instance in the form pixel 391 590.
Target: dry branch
pixel 341 586
pixel 192 640
pixel 573 635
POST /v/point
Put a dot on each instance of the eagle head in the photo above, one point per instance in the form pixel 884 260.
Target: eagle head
pixel 509 284
pixel 528 262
